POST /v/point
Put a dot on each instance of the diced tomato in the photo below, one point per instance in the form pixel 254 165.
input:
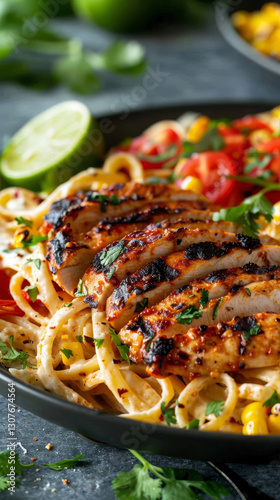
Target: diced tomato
pixel 163 143
pixel 251 123
pixel 212 168
pixel 10 307
pixel 272 146
pixel 5 285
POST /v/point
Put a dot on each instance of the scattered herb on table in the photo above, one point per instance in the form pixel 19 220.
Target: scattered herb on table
pixel 65 464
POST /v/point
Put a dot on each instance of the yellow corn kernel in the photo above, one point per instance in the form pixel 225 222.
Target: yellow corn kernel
pixel 276 111
pixel 198 129
pixel 193 184
pixel 274 419
pixel 64 337
pixel 254 418
pixel 258 137
pixel 77 352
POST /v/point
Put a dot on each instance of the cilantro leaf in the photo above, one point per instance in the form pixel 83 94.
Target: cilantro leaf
pixel 36 262
pixel 65 464
pixel 67 352
pixel 98 342
pixel 247 213
pixel 123 349
pixel 34 240
pixel 186 316
pixel 21 220
pixel 4 483
pixel 253 331
pixel 216 308
pixel 81 290
pixel 141 305
pixel 102 198
pixel 107 257
pixel 273 400
pixel 79 338
pixel 137 484
pixel 114 200
pixel 215 407
pixel 5 466
pixel 194 424
pixel 32 291
pixel 248 291
pixel 168 414
pixel 260 160
pixel 68 305
pixel 111 272
pixel 11 354
pixel 211 141
pixel 204 297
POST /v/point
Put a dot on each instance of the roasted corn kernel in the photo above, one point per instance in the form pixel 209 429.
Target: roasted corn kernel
pixel 198 129
pixel 254 419
pixel 193 184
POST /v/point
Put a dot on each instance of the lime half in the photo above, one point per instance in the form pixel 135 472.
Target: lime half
pixel 52 147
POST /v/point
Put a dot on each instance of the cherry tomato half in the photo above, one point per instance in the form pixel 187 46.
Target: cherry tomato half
pixel 251 123
pixel 272 146
pixel 212 168
pixel 10 307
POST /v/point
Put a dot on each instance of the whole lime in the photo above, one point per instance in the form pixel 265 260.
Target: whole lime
pixel 119 15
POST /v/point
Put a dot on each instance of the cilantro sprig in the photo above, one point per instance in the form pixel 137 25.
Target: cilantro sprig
pixel 26 222
pixel 187 316
pixel 215 408
pixel 168 413
pixel 5 469
pixel 65 464
pixel 123 349
pixel 10 354
pixel 149 482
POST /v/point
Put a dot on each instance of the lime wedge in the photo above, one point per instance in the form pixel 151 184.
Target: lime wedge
pixel 53 146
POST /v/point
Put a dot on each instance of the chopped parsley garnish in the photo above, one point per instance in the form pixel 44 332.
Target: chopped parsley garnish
pixel 65 464
pixel 247 213
pixel 248 291
pixel 123 349
pixel 36 262
pixel 32 291
pixel 194 424
pixel 34 240
pixel 148 345
pixel 67 353
pixel 161 157
pixel 211 141
pixel 108 257
pixel 110 274
pixel 11 354
pixel 216 308
pixel 21 220
pixel 168 414
pixel 81 289
pixel 149 482
pixel 204 297
pixel 114 200
pixel 103 199
pixel 98 342
pixel 79 338
pixel 260 160
pixel 215 408
pixel 253 331
pixel 68 305
pixel 273 400
pixel 186 316
pixel 141 305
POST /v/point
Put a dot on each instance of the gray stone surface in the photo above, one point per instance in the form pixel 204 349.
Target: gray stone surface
pixel 198 67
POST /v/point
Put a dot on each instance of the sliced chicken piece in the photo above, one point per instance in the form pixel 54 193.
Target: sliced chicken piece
pixel 159 278
pixel 85 210
pixel 64 254
pixel 242 343
pixel 120 259
pixel 151 339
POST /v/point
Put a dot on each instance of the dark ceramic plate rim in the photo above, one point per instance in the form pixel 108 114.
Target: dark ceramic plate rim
pixel 222 14
pixel 126 433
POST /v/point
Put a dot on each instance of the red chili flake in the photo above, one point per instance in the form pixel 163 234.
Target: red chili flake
pixel 52 327
pixel 122 391
pixel 232 420
pixel 28 422
pixel 33 459
pixel 65 481
pixel 161 417
pixel 82 374
pixel 181 406
pixel 35 439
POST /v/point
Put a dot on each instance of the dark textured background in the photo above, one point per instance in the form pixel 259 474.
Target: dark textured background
pixel 196 66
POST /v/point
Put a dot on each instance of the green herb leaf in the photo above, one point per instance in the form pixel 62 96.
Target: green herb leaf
pixel 75 71
pixel 67 352
pixel 148 344
pixel 5 466
pixel 107 257
pixel 81 290
pixel 4 481
pixel 247 213
pixel 110 274
pixel 34 240
pixel 168 414
pixel 159 158
pixel 21 220
pixel 98 342
pixel 141 305
pixel 102 198
pixel 11 354
pixel 194 424
pixel 273 400
pixel 253 331
pixel 215 407
pixel 68 305
pixel 216 308
pixel 32 291
pixel 137 484
pixel 204 297
pixel 65 464
pixel 186 316
pixel 123 349
pixel 248 291
pixel 114 200
pixel 260 160
pixel 121 57
pixel 79 338
pixel 221 121
pixel 36 262
pixel 211 141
